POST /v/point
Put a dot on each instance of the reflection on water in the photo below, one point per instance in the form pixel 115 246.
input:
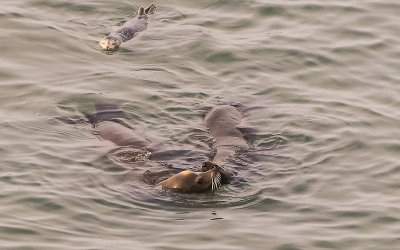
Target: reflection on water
pixel 318 80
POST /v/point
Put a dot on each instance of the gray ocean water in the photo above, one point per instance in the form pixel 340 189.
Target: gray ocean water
pixel 318 80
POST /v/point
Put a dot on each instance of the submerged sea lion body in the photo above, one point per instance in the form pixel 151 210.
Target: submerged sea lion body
pixel 222 123
pixel 108 126
pixel 128 30
pixel 120 135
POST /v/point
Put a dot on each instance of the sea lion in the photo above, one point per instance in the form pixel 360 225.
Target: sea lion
pixel 128 30
pixel 136 150
pixel 222 123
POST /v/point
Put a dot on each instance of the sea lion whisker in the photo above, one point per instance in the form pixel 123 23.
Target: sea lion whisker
pixel 218 180
pixel 218 177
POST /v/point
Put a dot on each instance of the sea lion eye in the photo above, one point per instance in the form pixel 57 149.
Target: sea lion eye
pixel 200 180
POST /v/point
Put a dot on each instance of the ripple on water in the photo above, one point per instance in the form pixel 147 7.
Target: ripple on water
pixel 64 6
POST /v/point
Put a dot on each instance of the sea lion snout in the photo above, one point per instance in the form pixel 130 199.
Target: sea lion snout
pixel 192 182
pixel 207 166
pixel 226 175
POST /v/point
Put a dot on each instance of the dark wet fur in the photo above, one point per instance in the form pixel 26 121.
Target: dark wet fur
pixel 131 27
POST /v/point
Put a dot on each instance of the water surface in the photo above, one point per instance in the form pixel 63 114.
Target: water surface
pixel 318 80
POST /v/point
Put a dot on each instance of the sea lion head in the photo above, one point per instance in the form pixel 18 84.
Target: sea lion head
pixel 193 182
pixel 109 43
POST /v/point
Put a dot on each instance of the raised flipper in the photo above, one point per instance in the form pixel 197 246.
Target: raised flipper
pixel 150 9
pixel 141 12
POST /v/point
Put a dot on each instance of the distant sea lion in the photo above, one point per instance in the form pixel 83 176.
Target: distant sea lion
pixel 222 123
pixel 128 30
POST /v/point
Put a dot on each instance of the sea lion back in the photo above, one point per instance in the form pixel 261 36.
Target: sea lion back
pixel 222 121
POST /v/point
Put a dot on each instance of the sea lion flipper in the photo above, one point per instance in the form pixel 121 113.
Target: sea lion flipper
pixel 141 12
pixel 150 9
